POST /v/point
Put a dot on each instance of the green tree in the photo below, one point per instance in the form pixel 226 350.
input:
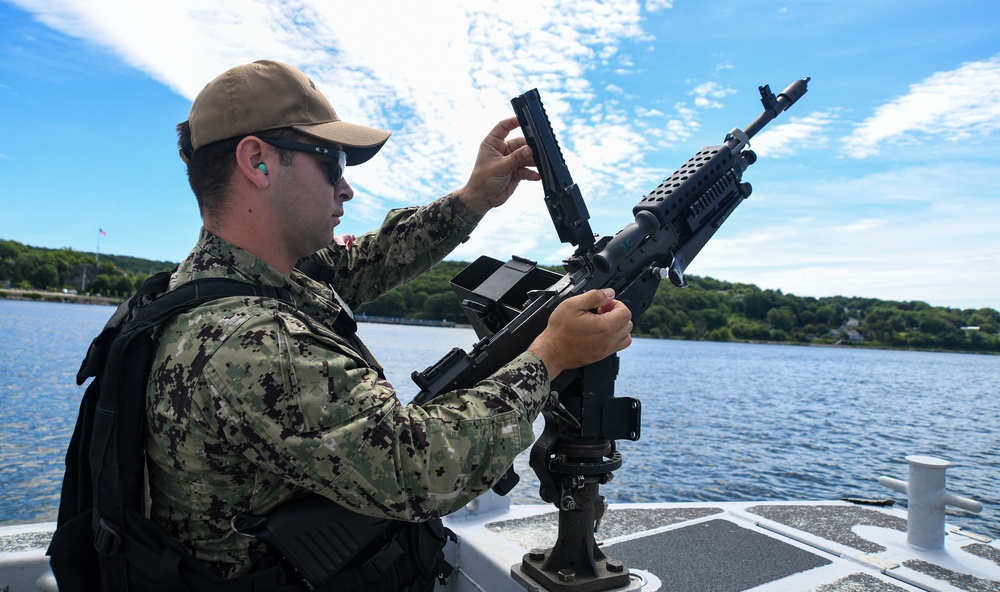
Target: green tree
pixel 935 325
pixel 712 318
pixel 657 317
pixel 827 315
pixel 8 269
pixel 45 276
pixel 720 334
pixel 390 304
pixel 100 285
pixel 443 306
pixel 782 319
pixel 756 305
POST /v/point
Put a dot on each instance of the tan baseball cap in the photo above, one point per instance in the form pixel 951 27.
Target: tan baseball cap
pixel 268 95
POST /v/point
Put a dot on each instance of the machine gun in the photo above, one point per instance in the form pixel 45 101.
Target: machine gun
pixel 509 304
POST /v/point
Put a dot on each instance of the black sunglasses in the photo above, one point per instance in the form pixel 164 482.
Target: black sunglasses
pixel 334 170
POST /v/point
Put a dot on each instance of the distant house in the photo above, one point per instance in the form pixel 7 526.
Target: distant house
pixel 969 328
pixel 847 331
pixel 854 335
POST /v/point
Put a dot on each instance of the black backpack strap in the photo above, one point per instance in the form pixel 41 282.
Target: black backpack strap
pixel 97 354
pixel 198 292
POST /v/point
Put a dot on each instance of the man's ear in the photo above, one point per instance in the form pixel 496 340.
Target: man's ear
pixel 250 155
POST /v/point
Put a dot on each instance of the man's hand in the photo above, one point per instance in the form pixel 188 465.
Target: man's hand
pixel 500 166
pixel 576 336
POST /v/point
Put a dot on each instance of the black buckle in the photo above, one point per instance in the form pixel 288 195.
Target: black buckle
pixel 106 539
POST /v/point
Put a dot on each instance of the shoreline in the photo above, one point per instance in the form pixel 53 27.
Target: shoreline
pixel 43 296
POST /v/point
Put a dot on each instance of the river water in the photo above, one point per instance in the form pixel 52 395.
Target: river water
pixel 720 421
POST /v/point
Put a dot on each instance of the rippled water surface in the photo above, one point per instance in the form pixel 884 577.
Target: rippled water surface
pixel 41 347
pixel 720 421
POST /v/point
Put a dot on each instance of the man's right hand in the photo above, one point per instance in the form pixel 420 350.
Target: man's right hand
pixel 500 165
pixel 576 336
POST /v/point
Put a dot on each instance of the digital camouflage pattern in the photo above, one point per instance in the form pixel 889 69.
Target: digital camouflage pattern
pixel 252 402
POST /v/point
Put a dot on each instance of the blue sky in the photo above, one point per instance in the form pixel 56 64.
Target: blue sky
pixel 880 182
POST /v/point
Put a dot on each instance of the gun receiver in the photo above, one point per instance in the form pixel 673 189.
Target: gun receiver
pixel 509 305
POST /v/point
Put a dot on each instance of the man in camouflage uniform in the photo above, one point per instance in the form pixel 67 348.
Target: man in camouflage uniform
pixel 253 402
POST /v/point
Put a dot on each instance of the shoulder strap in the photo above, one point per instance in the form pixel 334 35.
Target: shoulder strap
pixel 144 310
pixel 198 292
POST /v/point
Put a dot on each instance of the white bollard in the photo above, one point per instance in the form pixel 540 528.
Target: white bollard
pixel 928 497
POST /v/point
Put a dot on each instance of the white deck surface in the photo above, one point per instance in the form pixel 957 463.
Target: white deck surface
pixel 718 547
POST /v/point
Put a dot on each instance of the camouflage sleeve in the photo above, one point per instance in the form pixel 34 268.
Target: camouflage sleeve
pixel 303 407
pixel 409 242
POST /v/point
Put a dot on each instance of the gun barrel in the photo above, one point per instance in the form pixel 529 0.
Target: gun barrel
pixel 774 106
pixel 794 91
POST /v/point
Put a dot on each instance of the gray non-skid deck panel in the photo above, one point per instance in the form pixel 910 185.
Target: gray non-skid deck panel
pixel 859 582
pixel 833 523
pixel 540 531
pixel 962 581
pixel 15 543
pixel 714 556
pixel 984 551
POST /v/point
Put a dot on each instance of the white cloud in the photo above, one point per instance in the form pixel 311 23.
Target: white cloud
pixel 644 112
pixel 625 63
pixel 707 95
pixel 657 5
pixel 439 87
pixel 863 225
pixel 517 232
pixel 665 131
pixel 952 105
pixel 779 140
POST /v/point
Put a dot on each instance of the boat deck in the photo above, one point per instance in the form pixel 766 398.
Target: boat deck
pixel 682 547
pixel 732 547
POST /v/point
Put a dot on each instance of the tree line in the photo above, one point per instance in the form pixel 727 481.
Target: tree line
pixel 715 310
pixel 708 309
pixel 24 267
pixel 720 311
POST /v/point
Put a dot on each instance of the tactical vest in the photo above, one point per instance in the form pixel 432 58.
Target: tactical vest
pixel 103 541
